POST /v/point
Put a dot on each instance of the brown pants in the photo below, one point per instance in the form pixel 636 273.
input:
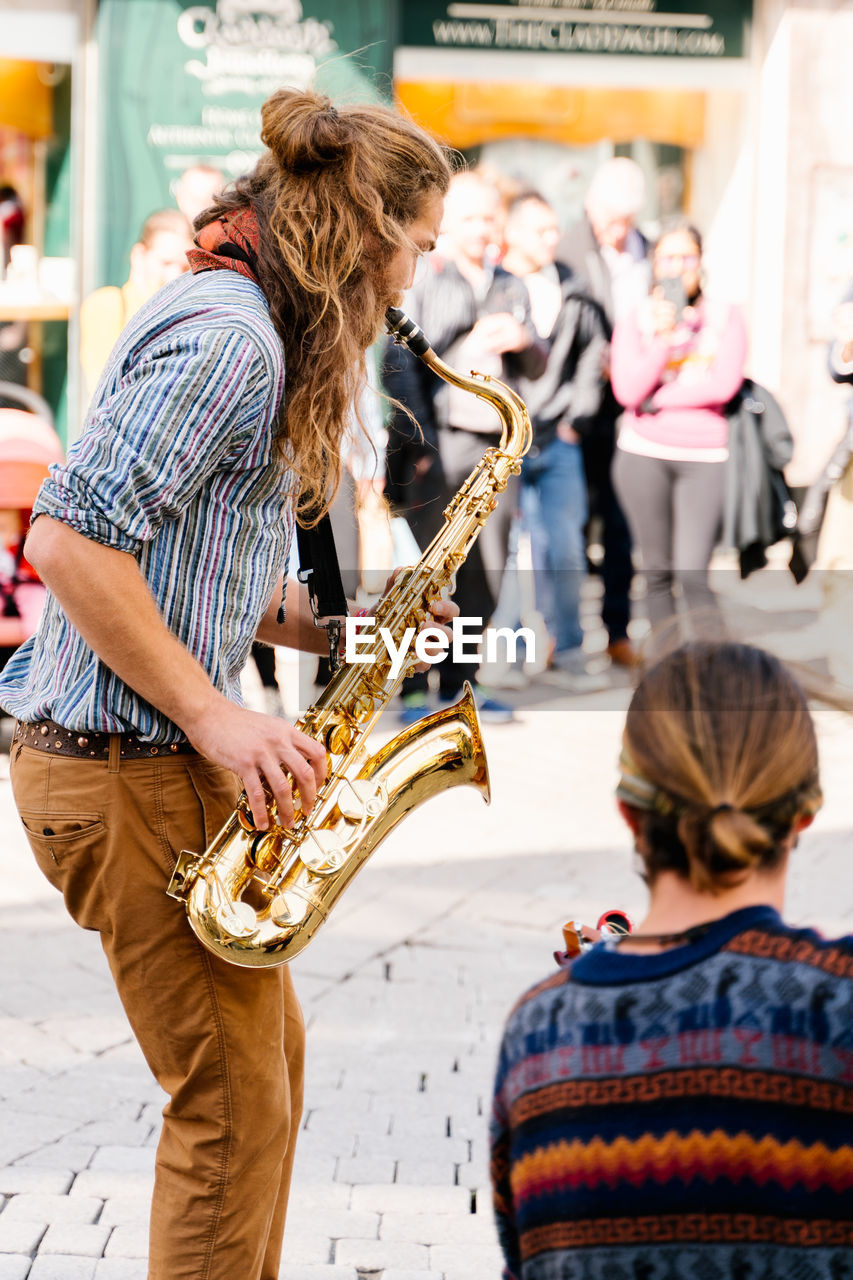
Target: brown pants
pixel 225 1043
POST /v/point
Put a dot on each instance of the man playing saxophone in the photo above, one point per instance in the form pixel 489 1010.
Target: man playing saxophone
pixel 164 543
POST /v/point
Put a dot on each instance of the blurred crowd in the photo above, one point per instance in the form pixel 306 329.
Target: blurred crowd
pixel 631 370
pixel 651 445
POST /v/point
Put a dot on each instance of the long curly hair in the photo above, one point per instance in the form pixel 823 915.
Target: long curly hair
pixel 333 194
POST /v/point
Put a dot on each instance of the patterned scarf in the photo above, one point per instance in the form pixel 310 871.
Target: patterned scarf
pixel 229 244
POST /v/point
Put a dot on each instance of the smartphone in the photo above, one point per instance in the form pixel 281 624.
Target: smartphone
pixel 672 288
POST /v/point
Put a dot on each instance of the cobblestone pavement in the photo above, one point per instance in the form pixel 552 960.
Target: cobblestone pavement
pixel 404 991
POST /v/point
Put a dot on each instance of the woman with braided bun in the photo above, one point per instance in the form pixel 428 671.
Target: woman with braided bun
pixel 677 1103
pixel 164 542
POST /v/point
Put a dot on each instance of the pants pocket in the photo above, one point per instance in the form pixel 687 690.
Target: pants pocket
pixel 66 849
pixel 217 791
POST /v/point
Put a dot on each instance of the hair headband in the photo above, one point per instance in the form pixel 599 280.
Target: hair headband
pixel 640 792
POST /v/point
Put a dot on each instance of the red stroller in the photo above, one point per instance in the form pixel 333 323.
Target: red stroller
pixel 28 445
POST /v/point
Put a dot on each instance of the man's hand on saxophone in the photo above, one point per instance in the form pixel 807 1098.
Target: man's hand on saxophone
pixel 259 748
pixel 441 614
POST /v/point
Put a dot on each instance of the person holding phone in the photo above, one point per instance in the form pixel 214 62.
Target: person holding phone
pixel 676 361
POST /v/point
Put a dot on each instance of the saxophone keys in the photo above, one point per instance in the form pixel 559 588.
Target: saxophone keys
pixel 327 853
pixel 237 919
pixel 359 798
pixel 265 849
pixel 286 910
pixel 362 708
pixel 244 813
pixel 338 739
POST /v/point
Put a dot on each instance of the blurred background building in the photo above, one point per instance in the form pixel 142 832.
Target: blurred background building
pixel 738 112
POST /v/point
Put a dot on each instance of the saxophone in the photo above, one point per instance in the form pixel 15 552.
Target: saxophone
pixel 256 898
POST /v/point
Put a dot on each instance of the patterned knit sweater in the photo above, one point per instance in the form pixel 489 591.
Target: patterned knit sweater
pixel 686 1115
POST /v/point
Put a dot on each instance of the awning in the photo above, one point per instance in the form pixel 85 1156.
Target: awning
pixel 25 99
pixel 466 114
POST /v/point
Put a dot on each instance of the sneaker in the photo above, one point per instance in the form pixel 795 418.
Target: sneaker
pixel 571 669
pixel 490 710
pixel 493 711
pixel 503 675
pixel 413 707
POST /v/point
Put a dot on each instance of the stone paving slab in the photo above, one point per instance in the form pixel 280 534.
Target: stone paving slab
pixel 106 1183
pixel 324 1272
pixel 48 1267
pixel 35 1208
pixel 121 1269
pixel 435 1228
pixel 306 1247
pixel 21 1181
pixel 308 1198
pixel 380 1255
pixel 460 1260
pixel 64 1156
pixel 394 1273
pixel 75 1238
pixel 128 1240
pixel 124 1209
pixel 20 1237
pixel 15 1266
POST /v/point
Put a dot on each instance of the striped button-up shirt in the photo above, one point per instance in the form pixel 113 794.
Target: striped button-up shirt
pixel 176 466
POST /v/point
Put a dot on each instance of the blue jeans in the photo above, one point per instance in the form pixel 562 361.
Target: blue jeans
pixel 553 513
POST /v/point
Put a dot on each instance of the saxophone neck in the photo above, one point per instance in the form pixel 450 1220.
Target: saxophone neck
pixel 516 431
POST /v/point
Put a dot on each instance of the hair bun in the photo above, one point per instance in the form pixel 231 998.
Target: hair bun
pixel 302 130
pixel 721 842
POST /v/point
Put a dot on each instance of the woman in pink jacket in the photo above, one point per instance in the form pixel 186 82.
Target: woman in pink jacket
pixel 675 363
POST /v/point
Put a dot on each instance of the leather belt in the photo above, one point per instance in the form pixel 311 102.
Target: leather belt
pixel 44 735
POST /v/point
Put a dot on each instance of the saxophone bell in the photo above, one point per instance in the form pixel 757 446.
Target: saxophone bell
pixel 442 750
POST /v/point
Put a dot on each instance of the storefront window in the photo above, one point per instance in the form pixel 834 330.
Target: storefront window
pixel 36 275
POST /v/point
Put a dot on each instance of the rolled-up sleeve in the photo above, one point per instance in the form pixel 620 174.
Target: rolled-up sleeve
pixel 190 403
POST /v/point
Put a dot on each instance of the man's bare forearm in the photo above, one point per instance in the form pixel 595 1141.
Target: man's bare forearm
pixel 298 630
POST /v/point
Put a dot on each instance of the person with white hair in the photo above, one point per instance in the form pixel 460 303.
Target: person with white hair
pixel 615 264
pixel 607 249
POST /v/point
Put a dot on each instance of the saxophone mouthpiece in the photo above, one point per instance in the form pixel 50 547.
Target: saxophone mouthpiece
pixel 404 330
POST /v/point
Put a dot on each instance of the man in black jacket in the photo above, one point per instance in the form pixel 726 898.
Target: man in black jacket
pixel 475 316
pixel 609 252
pixel 563 404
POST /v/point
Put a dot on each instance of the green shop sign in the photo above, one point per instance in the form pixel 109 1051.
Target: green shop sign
pixel 182 83
pixel 669 28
